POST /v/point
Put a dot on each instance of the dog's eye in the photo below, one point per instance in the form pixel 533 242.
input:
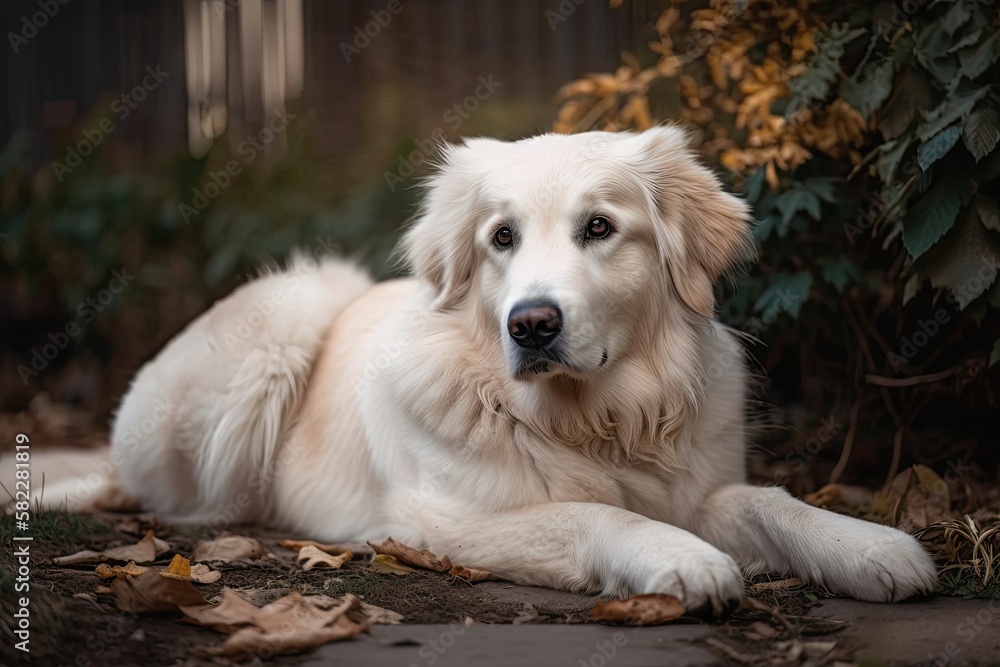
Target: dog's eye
pixel 503 237
pixel 599 227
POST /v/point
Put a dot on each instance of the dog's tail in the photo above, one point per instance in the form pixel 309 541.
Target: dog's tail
pixel 249 419
pixel 204 422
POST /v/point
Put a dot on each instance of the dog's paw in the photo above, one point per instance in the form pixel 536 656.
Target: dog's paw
pixel 888 566
pixel 701 579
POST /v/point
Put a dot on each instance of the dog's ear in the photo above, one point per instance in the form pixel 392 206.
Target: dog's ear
pixel 439 247
pixel 710 226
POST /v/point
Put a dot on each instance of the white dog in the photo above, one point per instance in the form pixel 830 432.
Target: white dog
pixel 549 397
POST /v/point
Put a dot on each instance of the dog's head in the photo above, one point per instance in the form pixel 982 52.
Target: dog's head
pixel 571 246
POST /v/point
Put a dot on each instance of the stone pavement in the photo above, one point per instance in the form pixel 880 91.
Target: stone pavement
pixel 937 631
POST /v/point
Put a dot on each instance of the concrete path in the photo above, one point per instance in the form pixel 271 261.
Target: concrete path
pixel 939 631
pixel 504 645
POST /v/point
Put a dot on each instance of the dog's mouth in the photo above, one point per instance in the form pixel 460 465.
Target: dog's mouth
pixel 536 363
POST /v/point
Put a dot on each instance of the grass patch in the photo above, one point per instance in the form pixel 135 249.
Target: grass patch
pixel 51 525
pixel 365 585
pixel 972 550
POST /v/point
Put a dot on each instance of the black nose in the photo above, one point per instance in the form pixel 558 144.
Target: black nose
pixel 534 323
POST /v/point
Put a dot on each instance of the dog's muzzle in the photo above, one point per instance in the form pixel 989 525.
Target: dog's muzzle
pixel 534 324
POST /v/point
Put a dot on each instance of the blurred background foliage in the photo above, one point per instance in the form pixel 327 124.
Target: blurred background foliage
pixel 865 139
pixel 863 134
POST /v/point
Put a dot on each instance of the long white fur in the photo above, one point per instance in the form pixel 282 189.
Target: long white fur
pixel 354 412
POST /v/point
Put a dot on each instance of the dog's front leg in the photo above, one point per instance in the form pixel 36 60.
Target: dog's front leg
pixel 589 547
pixel 766 529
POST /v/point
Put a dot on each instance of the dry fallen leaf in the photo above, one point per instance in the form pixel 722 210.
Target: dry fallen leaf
pixel 203 574
pixel 386 564
pixel 130 569
pixel 469 573
pixel 528 615
pixel 228 615
pixel 335 549
pixel 761 630
pixel 291 624
pixel 143 551
pixel 381 616
pixel 916 498
pixel 90 598
pixel 651 609
pixel 310 557
pixel 367 612
pixel 140 524
pixel 781 585
pixel 181 568
pixel 424 559
pixel 149 592
pixel 840 495
pixel 230 548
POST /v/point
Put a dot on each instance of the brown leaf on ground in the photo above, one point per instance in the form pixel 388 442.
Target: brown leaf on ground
pixel 424 559
pixel 335 549
pixel 840 495
pixel 783 585
pixel 651 609
pixel 90 599
pixel 149 592
pixel 203 574
pixel 291 624
pixel 130 569
pixel 380 616
pixel 528 615
pixel 229 548
pixel 143 551
pixel 180 568
pixel 311 557
pixel 228 615
pixel 387 564
pixel 915 499
pixel 470 573
pixel 140 524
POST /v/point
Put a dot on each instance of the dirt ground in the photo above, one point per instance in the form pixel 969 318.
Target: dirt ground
pixel 499 623
pixel 74 625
